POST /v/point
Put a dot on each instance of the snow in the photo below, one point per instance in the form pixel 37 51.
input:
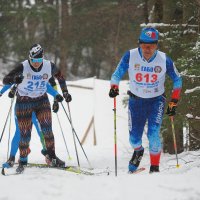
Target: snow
pixel 189 116
pixel 167 25
pixel 192 90
pixel 170 184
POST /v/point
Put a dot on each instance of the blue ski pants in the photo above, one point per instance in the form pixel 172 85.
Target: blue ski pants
pixel 143 110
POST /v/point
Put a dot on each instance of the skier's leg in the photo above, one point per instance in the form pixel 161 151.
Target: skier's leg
pixel 137 119
pixel 24 117
pixel 39 131
pixel 156 111
pixel 43 114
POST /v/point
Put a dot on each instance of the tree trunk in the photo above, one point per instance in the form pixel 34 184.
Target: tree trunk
pixel 169 7
pixel 194 139
pixel 146 15
pixel 155 10
pixel 64 23
pixel 188 10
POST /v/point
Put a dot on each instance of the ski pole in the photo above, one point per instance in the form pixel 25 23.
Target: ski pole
pixel 174 139
pixel 69 157
pixel 77 157
pixel 115 136
pixel 12 100
pixel 76 135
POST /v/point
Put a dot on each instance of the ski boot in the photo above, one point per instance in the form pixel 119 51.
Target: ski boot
pixel 154 168
pixel 52 160
pixel 135 160
pixel 20 168
pixel 10 162
pixel 44 152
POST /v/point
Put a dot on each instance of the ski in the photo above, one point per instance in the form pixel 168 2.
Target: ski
pixel 9 174
pixel 137 170
pixel 3 172
pixel 73 169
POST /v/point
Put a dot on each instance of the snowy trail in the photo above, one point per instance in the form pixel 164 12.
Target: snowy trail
pixel 35 183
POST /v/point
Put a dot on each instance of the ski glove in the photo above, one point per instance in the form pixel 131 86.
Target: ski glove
pixel 171 110
pixel 0 94
pixel 18 78
pixel 58 98
pixel 55 106
pixel 114 91
pixel 67 96
pixel 12 92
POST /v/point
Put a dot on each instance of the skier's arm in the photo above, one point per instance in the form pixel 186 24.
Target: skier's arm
pixel 10 77
pixel 176 78
pixel 53 83
pixel 121 69
pixel 57 74
pixel 5 88
pixel 51 90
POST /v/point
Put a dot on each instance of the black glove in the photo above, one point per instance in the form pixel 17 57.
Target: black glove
pixel 114 91
pixel 171 109
pixel 12 92
pixel 67 96
pixel 0 94
pixel 59 98
pixel 55 106
pixel 18 78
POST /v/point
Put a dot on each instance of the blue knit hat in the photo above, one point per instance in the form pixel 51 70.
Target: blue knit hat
pixel 149 36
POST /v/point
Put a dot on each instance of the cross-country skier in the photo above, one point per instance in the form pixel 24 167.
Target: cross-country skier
pixel 16 138
pixel 147 68
pixel 32 76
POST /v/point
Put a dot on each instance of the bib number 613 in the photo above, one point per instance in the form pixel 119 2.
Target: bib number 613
pixel 146 77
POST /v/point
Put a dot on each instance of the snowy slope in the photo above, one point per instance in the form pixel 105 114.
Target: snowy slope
pixel 172 183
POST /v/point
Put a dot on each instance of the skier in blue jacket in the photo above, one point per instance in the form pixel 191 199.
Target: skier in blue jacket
pixel 147 68
pixel 16 138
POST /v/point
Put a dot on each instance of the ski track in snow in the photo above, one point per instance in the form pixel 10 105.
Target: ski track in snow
pixel 40 183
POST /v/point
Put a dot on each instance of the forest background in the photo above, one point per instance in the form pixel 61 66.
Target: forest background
pixel 87 38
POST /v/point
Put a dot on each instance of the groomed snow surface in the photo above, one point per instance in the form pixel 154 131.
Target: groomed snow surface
pixel 49 184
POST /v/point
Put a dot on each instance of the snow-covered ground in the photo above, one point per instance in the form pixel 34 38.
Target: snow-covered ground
pixel 170 184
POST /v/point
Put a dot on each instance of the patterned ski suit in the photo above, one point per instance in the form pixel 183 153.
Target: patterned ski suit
pixel 16 137
pixel 32 98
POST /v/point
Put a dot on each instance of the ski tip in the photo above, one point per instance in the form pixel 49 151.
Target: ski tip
pixel 70 158
pixel 3 172
pixel 137 170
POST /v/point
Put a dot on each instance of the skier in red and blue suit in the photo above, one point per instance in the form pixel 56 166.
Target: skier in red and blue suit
pixel 147 68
